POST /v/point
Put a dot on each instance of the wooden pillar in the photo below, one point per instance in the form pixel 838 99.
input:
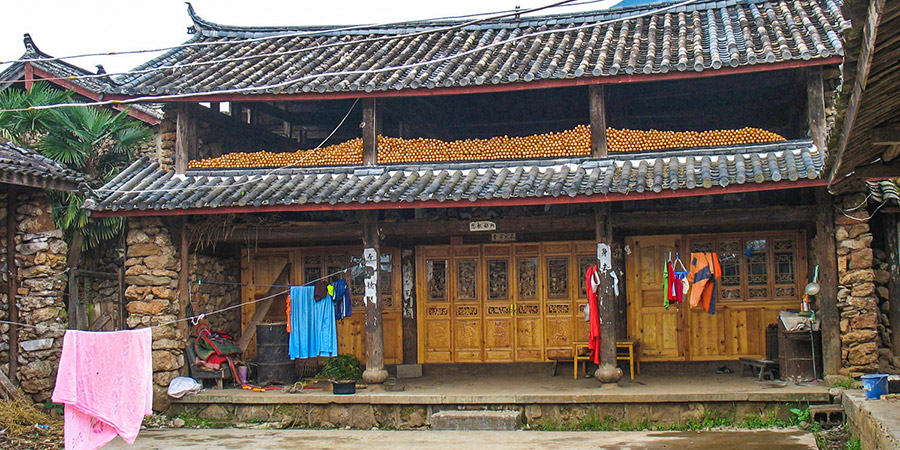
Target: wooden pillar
pixel 183 276
pixel 374 372
pixel 608 373
pixel 12 278
pixel 893 252
pixel 29 81
pixel 120 276
pixel 826 258
pixel 410 327
pixel 185 137
pixel 370 132
pixel 598 121
pixel 815 106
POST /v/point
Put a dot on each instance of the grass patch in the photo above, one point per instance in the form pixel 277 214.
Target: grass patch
pixel 846 383
pixel 191 420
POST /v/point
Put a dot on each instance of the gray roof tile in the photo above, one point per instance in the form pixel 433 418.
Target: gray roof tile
pixel 24 166
pixel 144 186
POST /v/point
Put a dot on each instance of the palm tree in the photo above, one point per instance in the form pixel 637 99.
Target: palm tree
pixel 22 126
pixel 99 144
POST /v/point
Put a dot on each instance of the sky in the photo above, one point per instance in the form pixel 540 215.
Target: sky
pixel 66 28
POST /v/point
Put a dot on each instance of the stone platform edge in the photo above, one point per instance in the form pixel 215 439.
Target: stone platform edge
pixel 875 422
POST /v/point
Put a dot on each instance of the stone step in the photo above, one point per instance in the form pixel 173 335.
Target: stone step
pixel 476 420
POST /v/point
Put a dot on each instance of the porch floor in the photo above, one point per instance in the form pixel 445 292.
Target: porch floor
pixel 533 388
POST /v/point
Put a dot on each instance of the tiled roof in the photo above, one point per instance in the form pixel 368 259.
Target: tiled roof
pixel 146 187
pixel 28 168
pixel 883 192
pixel 69 73
pixel 650 39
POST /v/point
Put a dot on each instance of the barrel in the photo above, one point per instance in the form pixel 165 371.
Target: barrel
pixel 274 365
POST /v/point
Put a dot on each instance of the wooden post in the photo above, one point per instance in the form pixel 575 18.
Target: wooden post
pixel 608 373
pixel 29 76
pixel 183 277
pixel 120 276
pixel 73 299
pixel 815 106
pixel 826 258
pixel 185 137
pixel 892 249
pixel 374 372
pixel 12 279
pixel 370 132
pixel 410 327
pixel 598 121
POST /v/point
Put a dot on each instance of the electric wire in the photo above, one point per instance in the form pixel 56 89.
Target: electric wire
pixel 249 89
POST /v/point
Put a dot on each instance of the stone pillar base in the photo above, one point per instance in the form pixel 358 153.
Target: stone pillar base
pixel 609 376
pixel 375 376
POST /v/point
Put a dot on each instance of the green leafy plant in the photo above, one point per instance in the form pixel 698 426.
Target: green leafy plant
pixel 342 367
pixel 854 444
pixel 800 415
pixel 846 383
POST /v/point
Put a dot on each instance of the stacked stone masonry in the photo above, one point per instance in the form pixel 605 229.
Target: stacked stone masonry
pixel 881 269
pixel 858 303
pixel 41 255
pixel 151 295
pixel 208 296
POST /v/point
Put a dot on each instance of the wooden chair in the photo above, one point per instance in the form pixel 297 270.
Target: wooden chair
pixel 224 373
pixel 624 352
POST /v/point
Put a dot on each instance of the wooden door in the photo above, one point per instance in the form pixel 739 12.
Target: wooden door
pixel 560 285
pixel 435 343
pixel 499 339
pixel 527 306
pixel 468 333
pixel 262 270
pixel 658 331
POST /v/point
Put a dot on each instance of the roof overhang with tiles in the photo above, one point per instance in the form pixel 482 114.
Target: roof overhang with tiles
pixel 24 167
pixel 646 43
pixel 144 189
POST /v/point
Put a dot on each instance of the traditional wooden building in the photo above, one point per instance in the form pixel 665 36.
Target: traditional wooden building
pixel 495 156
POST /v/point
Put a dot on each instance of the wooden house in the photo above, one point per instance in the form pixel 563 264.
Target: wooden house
pixel 485 160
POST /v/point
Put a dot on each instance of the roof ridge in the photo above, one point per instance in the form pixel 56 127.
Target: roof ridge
pixel 201 24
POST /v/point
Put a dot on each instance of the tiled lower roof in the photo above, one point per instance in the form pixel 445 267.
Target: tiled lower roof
pixel 144 186
pixel 883 192
pixel 26 167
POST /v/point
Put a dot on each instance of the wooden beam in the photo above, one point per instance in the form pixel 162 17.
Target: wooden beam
pixel 31 181
pixel 878 171
pixel 815 107
pixel 864 63
pixel 886 134
pixel 298 232
pixel 12 284
pixel 370 130
pixel 826 258
pixel 561 200
pixel 262 308
pixel 121 296
pixel 598 121
pixel 507 87
pixel 95 274
pixel 374 372
pixel 504 225
pixel 185 138
pixel 717 217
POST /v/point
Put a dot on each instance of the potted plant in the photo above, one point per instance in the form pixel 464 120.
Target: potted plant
pixel 343 371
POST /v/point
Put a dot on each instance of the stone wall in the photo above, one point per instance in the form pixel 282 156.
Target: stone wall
pixel 857 300
pixel 881 270
pixel 42 280
pixel 151 295
pixel 206 296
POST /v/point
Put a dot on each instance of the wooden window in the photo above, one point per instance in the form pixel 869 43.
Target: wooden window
pixel 528 268
pixel 755 266
pixel 498 279
pixel 437 279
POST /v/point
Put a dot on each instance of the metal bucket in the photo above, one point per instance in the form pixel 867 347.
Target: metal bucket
pixel 274 365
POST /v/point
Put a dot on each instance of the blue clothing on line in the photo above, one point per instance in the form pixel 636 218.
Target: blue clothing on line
pixel 313 331
pixel 343 307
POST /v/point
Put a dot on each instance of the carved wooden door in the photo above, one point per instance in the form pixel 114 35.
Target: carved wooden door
pixel 658 331
pixel 468 334
pixel 527 312
pixel 499 338
pixel 435 342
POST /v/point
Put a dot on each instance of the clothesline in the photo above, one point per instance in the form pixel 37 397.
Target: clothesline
pixel 203 315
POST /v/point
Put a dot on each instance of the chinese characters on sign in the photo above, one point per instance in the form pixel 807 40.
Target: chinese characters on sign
pixel 482 225
pixel 371 260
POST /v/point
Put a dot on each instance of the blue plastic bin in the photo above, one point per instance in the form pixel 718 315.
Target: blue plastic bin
pixel 875 385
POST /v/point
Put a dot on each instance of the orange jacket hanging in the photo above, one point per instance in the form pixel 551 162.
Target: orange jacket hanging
pixel 705 270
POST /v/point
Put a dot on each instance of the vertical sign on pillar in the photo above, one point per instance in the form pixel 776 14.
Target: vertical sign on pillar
pixel 370 256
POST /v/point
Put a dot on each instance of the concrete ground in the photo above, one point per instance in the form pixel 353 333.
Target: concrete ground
pixel 237 439
pixel 510 388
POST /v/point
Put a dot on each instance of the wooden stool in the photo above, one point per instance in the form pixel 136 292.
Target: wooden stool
pixel 581 354
pixel 761 368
